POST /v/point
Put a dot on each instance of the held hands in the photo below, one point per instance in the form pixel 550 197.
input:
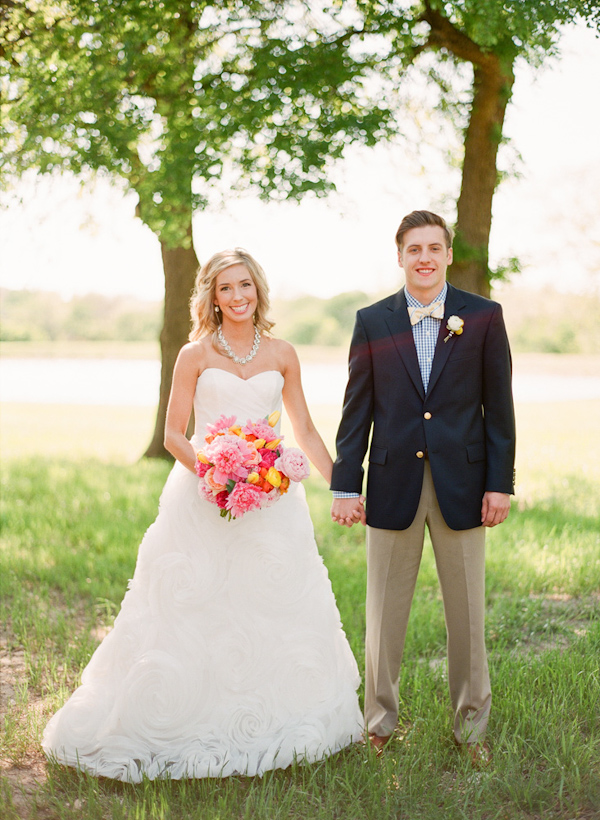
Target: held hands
pixel 349 511
pixel 494 508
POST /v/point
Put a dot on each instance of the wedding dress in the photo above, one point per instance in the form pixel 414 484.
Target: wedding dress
pixel 228 655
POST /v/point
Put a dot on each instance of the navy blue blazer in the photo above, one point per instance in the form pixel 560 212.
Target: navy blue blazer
pixel 464 423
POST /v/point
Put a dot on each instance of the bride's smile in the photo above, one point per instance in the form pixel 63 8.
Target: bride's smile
pixel 235 293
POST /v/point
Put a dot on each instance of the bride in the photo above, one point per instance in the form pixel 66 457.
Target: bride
pixel 228 655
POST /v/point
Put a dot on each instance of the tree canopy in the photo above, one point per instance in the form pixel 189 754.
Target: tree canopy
pixel 490 37
pixel 174 97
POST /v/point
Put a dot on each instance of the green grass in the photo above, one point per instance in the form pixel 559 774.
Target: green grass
pixel 71 528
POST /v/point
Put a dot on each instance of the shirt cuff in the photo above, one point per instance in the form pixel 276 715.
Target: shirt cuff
pixel 342 494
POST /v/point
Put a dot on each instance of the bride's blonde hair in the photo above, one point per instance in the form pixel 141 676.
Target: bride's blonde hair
pixel 205 320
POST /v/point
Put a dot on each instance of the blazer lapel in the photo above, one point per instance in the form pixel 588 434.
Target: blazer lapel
pixel 454 303
pixel 399 325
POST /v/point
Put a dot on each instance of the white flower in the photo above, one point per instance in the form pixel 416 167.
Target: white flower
pixel 455 323
pixel 455 326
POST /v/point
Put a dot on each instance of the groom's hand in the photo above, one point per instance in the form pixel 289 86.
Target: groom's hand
pixel 349 511
pixel 494 508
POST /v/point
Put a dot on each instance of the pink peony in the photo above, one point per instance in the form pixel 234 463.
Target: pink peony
pixel 294 464
pixel 221 499
pixel 242 499
pixel 253 459
pixel 229 453
pixel 204 491
pixel 268 457
pixel 221 425
pixel 268 499
pixel 260 429
pixel 201 468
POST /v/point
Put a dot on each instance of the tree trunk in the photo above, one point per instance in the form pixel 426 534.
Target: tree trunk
pixel 180 266
pixel 492 87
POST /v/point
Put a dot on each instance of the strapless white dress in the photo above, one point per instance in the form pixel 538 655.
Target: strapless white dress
pixel 228 655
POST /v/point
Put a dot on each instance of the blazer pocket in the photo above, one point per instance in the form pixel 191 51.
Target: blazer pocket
pixel 462 357
pixel 476 452
pixel 377 455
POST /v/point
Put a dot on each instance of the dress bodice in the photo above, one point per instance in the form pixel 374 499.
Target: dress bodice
pixel 219 392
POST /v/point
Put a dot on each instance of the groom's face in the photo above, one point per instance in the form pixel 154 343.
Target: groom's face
pixel 425 259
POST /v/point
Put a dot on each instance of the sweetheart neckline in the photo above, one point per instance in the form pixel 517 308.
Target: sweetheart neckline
pixel 241 378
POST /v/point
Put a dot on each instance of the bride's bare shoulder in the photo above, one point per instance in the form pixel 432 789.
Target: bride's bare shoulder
pixel 284 355
pixel 195 353
pixel 280 347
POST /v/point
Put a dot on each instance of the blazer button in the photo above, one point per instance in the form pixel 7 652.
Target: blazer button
pixel 427 415
pixel 420 453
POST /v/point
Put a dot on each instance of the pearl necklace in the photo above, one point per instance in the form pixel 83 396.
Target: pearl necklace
pixel 244 360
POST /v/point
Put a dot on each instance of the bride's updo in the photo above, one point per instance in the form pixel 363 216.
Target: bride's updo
pixel 205 319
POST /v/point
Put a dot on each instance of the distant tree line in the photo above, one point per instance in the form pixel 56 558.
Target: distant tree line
pixel 309 320
pixel 37 316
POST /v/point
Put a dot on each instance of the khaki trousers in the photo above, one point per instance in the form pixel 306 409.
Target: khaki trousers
pixel 393 558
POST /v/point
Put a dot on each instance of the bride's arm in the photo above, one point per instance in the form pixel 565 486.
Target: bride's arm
pixel 305 432
pixel 185 377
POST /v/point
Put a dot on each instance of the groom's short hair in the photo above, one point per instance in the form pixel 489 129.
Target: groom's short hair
pixel 418 219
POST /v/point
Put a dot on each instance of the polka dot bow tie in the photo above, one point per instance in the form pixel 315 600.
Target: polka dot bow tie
pixel 435 309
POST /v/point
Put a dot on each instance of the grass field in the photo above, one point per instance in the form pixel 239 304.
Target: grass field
pixel 75 502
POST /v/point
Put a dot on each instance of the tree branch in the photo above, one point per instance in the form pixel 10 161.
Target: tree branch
pixel 445 35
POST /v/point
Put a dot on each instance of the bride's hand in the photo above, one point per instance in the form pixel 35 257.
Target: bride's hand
pixel 349 511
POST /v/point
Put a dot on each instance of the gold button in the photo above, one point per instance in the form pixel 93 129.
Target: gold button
pixel 427 415
pixel 420 453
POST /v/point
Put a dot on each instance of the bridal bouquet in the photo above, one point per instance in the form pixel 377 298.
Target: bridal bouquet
pixel 244 468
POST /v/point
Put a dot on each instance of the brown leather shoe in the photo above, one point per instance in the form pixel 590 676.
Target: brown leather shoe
pixel 378 742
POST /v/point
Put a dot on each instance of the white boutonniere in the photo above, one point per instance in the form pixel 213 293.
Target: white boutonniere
pixel 455 326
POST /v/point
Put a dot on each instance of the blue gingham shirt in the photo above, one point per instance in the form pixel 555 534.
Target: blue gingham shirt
pixel 425 334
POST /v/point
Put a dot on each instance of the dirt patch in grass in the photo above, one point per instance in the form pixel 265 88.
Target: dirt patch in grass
pixel 23 770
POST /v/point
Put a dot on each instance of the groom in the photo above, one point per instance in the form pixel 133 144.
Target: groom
pixel 430 379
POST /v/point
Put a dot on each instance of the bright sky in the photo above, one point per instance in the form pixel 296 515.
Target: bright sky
pixel 67 240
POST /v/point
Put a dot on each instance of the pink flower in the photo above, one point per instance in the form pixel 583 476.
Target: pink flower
pixel 228 453
pixel 268 499
pixel 242 499
pixel 253 459
pixel 221 499
pixel 268 458
pixel 294 464
pixel 221 425
pixel 201 468
pixel 209 480
pixel 260 429
pixel 205 492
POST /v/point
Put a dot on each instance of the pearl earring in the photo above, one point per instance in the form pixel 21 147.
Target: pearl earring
pixel 216 308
